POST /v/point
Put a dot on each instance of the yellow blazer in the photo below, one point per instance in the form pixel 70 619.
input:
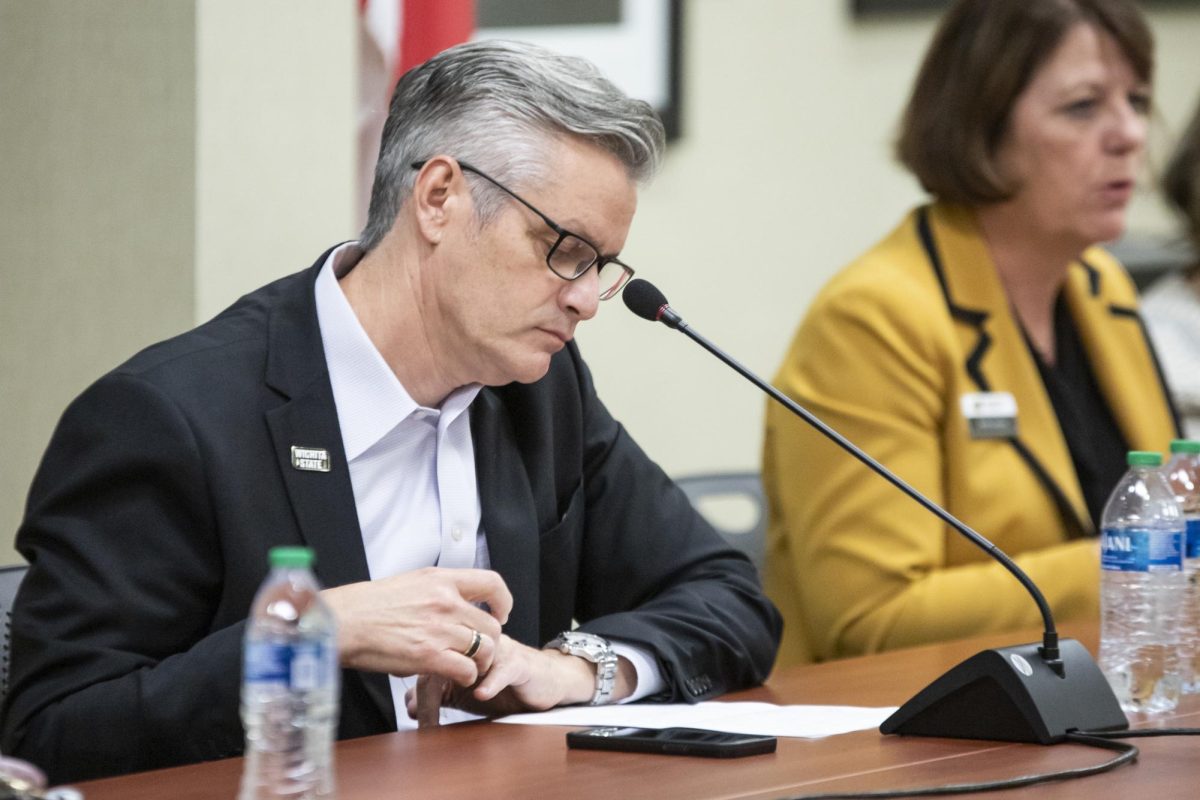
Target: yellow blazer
pixel 884 355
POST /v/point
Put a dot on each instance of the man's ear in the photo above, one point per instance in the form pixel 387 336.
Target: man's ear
pixel 440 193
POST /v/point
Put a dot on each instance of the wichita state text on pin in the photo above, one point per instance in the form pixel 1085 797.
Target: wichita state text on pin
pixel 311 459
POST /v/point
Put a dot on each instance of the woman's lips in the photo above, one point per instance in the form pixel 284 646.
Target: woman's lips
pixel 1117 192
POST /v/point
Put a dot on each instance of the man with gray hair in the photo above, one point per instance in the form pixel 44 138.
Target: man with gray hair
pixel 413 407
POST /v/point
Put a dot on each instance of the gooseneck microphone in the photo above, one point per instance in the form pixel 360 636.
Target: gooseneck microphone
pixel 1028 693
pixel 644 299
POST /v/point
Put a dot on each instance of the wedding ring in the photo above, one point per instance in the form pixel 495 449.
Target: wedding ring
pixel 476 640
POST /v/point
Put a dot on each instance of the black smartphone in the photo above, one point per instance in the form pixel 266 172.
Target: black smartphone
pixel 673 741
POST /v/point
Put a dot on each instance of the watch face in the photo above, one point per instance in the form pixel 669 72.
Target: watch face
pixel 597 650
pixel 585 645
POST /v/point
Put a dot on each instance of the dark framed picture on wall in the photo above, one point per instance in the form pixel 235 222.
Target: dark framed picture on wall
pixel 866 7
pixel 863 8
pixel 636 43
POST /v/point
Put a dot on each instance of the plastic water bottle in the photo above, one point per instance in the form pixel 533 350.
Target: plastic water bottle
pixel 290 685
pixel 1183 476
pixel 1142 588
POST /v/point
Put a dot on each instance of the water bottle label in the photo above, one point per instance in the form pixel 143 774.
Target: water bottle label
pixel 302 666
pixel 1193 537
pixel 1136 550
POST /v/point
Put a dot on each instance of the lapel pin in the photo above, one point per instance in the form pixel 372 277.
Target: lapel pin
pixel 310 459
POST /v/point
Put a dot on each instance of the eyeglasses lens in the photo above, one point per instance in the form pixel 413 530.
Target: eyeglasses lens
pixel 572 257
pixel 612 277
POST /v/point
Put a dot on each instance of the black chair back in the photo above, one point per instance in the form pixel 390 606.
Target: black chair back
pixel 733 503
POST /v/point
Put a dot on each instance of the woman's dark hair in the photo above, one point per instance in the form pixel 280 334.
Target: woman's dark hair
pixel 983 55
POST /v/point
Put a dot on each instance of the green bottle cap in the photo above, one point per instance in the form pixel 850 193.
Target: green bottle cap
pixel 291 557
pixel 1143 458
pixel 1185 446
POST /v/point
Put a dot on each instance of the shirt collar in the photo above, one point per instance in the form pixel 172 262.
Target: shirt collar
pixel 370 399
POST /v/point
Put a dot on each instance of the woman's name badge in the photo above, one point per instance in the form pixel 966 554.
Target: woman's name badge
pixel 990 415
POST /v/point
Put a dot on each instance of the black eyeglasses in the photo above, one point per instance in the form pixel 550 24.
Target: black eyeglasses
pixel 571 256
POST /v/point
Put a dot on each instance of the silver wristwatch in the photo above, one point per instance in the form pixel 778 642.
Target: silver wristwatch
pixel 595 649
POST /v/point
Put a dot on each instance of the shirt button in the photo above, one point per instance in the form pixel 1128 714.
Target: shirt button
pixel 456 533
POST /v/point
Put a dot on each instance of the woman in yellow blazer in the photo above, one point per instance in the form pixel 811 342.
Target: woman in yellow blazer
pixel 985 350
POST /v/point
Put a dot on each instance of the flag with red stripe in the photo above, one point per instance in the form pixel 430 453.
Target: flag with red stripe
pixel 394 36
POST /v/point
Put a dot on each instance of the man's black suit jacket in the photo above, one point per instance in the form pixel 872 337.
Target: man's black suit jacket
pixel 167 481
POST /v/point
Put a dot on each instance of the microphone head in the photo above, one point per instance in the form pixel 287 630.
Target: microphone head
pixel 644 299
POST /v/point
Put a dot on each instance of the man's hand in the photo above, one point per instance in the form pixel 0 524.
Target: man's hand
pixel 525 679
pixel 421 622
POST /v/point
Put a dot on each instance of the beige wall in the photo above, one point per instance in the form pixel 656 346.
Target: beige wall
pixel 97 131
pixel 784 174
pixel 157 159
pixel 275 140
pixel 160 157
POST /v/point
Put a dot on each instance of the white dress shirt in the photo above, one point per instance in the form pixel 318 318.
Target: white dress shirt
pixel 431 514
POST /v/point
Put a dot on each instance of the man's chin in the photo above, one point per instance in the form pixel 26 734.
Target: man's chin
pixel 530 370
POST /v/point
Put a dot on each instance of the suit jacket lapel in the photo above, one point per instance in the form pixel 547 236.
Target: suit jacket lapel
pixel 1119 351
pixel 323 502
pixel 509 519
pixel 998 356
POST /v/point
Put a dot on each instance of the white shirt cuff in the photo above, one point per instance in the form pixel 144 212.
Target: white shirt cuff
pixel 649 677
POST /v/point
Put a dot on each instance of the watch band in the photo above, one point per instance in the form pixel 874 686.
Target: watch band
pixel 598 651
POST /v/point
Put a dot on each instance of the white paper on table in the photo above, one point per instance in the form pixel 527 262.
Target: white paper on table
pixel 766 719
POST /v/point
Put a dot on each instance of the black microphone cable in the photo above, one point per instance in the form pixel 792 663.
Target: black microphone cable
pixel 1141 733
pixel 1108 740
pixel 1126 754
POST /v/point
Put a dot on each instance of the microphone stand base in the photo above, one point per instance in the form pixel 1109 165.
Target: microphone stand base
pixel 1010 694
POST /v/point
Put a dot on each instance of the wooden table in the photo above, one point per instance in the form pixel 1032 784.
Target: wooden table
pixel 490 762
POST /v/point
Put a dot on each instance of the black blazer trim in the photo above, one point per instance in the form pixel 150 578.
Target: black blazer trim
pixel 973 317
pixel 1132 313
pixel 1093 275
pixel 1074 529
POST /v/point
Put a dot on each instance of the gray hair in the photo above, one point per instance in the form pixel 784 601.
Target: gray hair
pixel 497 105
